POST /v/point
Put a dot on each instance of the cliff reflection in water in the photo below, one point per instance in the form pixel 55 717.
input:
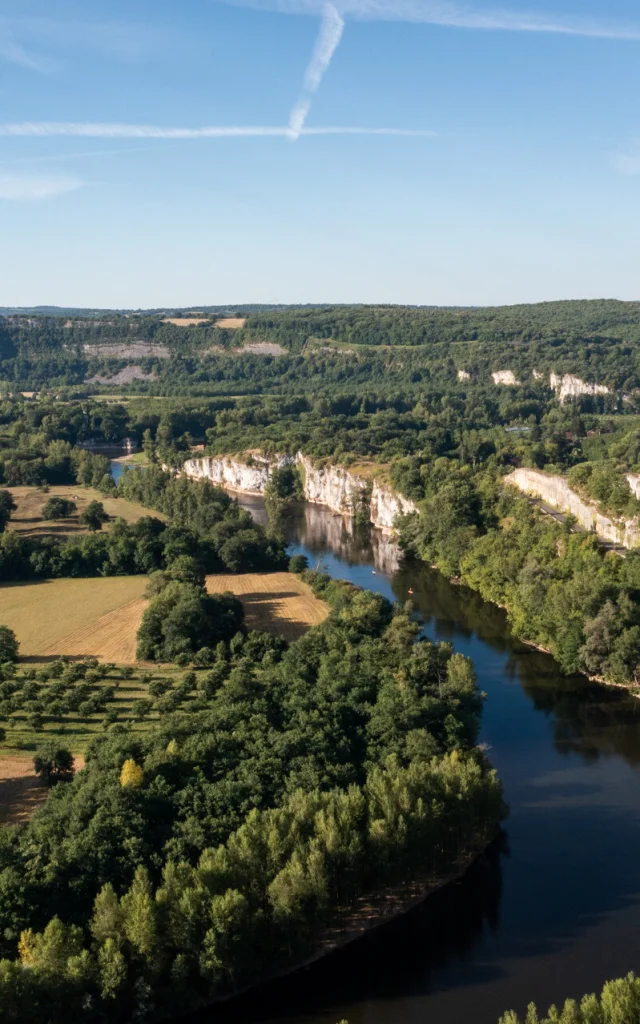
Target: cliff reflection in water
pixel 321 530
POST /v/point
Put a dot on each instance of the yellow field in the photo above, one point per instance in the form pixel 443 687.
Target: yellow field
pixel 276 602
pixel 185 321
pixel 92 617
pixel 233 323
pixel 30 501
pixel 101 617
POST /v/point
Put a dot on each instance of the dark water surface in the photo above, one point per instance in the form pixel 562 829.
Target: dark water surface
pixel 554 909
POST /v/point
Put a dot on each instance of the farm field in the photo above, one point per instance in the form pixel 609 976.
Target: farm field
pixel 77 619
pixel 27 519
pixel 276 602
pixel 91 617
pixel 233 323
pixel 186 321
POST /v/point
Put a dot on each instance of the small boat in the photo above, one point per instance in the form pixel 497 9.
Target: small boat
pixel 411 590
pixel 373 572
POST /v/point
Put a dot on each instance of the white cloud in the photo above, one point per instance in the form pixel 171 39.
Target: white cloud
pixel 448 13
pixel 326 45
pixel 147 131
pixel 29 187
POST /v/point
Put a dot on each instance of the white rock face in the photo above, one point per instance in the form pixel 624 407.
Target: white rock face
pixel 333 486
pixel 538 375
pixel 555 491
pixel 572 387
pixel 463 375
pixel 507 377
pixel 231 473
pixel 633 479
pixel 386 506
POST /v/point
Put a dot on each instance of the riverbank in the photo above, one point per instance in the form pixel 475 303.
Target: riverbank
pixel 371 913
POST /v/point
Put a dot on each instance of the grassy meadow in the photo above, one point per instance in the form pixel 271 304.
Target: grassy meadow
pixel 27 518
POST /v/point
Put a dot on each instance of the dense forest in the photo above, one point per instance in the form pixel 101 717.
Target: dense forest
pixel 185 865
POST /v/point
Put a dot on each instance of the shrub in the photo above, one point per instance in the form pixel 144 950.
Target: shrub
pixel 298 564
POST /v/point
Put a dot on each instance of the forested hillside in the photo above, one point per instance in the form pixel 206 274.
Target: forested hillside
pixel 328 349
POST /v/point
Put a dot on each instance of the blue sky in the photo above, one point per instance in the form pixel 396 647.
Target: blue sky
pixel 418 151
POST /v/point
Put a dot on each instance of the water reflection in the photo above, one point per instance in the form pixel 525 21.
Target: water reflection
pixel 551 911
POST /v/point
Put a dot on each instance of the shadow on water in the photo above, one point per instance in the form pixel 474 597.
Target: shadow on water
pixel 554 909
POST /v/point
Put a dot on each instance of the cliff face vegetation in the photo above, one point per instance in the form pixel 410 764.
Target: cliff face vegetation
pixel 338 488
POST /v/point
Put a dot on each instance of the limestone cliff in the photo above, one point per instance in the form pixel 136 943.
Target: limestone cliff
pixel 334 486
pixel 506 377
pixel 572 387
pixel 250 477
pixel 556 491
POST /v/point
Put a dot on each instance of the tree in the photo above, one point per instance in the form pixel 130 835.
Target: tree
pixel 94 516
pixel 53 763
pixel 148 446
pixel 7 506
pixel 298 564
pixel 183 618
pixel 186 569
pixel 58 508
pixel 132 775
pixel 139 915
pixel 107 921
pixel 141 709
pixel 9 645
pixel 112 966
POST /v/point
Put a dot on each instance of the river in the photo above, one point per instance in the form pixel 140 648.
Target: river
pixel 554 908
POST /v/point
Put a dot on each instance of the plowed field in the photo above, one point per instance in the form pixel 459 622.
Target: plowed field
pixel 276 602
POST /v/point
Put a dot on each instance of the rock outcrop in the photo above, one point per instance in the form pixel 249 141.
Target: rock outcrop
pixel 506 377
pixel 333 486
pixel 555 491
pixel 464 375
pixel 633 479
pixel 572 387
pixel 249 477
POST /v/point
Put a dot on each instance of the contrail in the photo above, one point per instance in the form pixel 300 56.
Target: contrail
pixel 132 131
pixel 455 15
pixel 48 129
pixel 326 45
